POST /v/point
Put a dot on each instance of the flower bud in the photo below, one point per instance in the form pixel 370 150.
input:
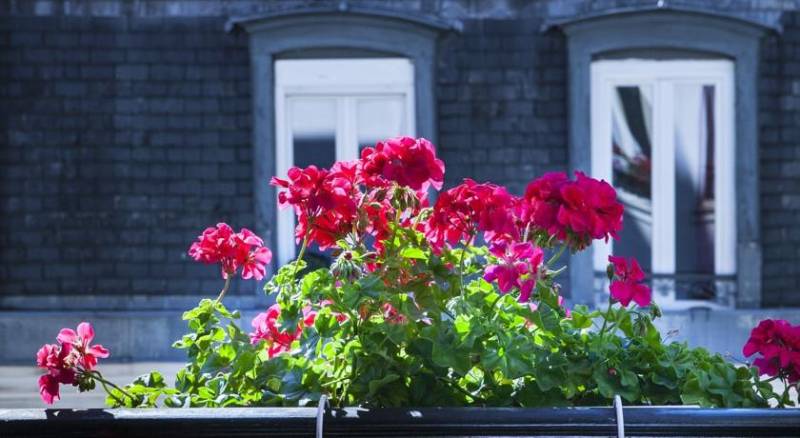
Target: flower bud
pixel 655 311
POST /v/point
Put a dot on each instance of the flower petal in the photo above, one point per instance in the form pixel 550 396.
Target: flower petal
pixel 86 332
pixel 67 336
pixel 99 351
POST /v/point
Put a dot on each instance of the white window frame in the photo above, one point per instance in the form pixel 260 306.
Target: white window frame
pixel 345 80
pixel 662 75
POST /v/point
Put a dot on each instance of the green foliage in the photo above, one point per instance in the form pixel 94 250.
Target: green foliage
pixel 454 341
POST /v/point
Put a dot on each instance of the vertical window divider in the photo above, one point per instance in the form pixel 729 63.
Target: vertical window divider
pixel 663 180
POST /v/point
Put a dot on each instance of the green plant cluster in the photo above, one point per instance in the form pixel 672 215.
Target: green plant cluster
pixel 460 343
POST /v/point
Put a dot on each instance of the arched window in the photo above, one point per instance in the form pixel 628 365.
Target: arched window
pixel 663 104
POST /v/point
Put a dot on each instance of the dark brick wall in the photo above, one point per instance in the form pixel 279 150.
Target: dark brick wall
pixel 122 139
pixel 123 136
pixel 502 102
pixel 780 164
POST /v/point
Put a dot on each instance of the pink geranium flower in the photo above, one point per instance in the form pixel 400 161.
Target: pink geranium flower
pixel 59 363
pixel 534 307
pixel 627 284
pixel 778 343
pixel 266 328
pixel 518 267
pixel 393 316
pixel 81 341
pixel 65 362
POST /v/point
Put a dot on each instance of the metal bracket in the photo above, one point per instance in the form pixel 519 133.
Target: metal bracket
pixel 322 408
pixel 620 418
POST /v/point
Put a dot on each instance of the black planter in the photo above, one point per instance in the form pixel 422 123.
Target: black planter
pixel 260 422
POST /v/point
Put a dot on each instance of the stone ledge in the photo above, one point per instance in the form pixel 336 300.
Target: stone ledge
pixel 147 335
pixel 131 335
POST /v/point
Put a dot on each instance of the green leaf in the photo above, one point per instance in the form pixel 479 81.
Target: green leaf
pixel 376 385
pixel 413 253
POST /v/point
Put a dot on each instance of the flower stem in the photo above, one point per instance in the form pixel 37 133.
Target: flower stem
pixel 106 383
pixel 605 316
pixel 461 265
pixel 455 386
pixel 224 288
pixel 557 255
pixel 785 395
pixel 299 258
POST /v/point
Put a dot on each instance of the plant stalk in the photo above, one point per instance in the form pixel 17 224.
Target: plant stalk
pixel 557 255
pixel 106 383
pixel 605 316
pixel 225 288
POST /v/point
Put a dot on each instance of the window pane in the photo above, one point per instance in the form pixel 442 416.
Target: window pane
pixel 631 139
pixel 313 125
pixel 694 189
pixel 379 118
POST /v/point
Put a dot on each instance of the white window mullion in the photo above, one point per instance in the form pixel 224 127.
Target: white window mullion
pixel 342 127
pixel 663 180
pixel 724 181
pixel 411 119
pixel 283 159
pixel 351 127
pixel 601 152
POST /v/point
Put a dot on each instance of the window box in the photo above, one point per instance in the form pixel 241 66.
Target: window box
pixel 245 422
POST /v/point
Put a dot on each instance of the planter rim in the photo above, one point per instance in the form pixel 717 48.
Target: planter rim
pixel 473 421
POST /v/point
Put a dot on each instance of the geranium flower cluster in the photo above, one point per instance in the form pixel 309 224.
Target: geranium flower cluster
pixel 352 196
pixel 232 251
pixel 626 285
pixel 69 361
pixel 363 197
pixel 575 211
pixel 778 344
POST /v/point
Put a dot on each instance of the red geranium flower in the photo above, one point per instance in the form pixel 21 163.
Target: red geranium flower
pixel 325 201
pixel 573 211
pixel 232 250
pixel 407 161
pixel 627 284
pixel 543 196
pixel 778 342
pixel 464 210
